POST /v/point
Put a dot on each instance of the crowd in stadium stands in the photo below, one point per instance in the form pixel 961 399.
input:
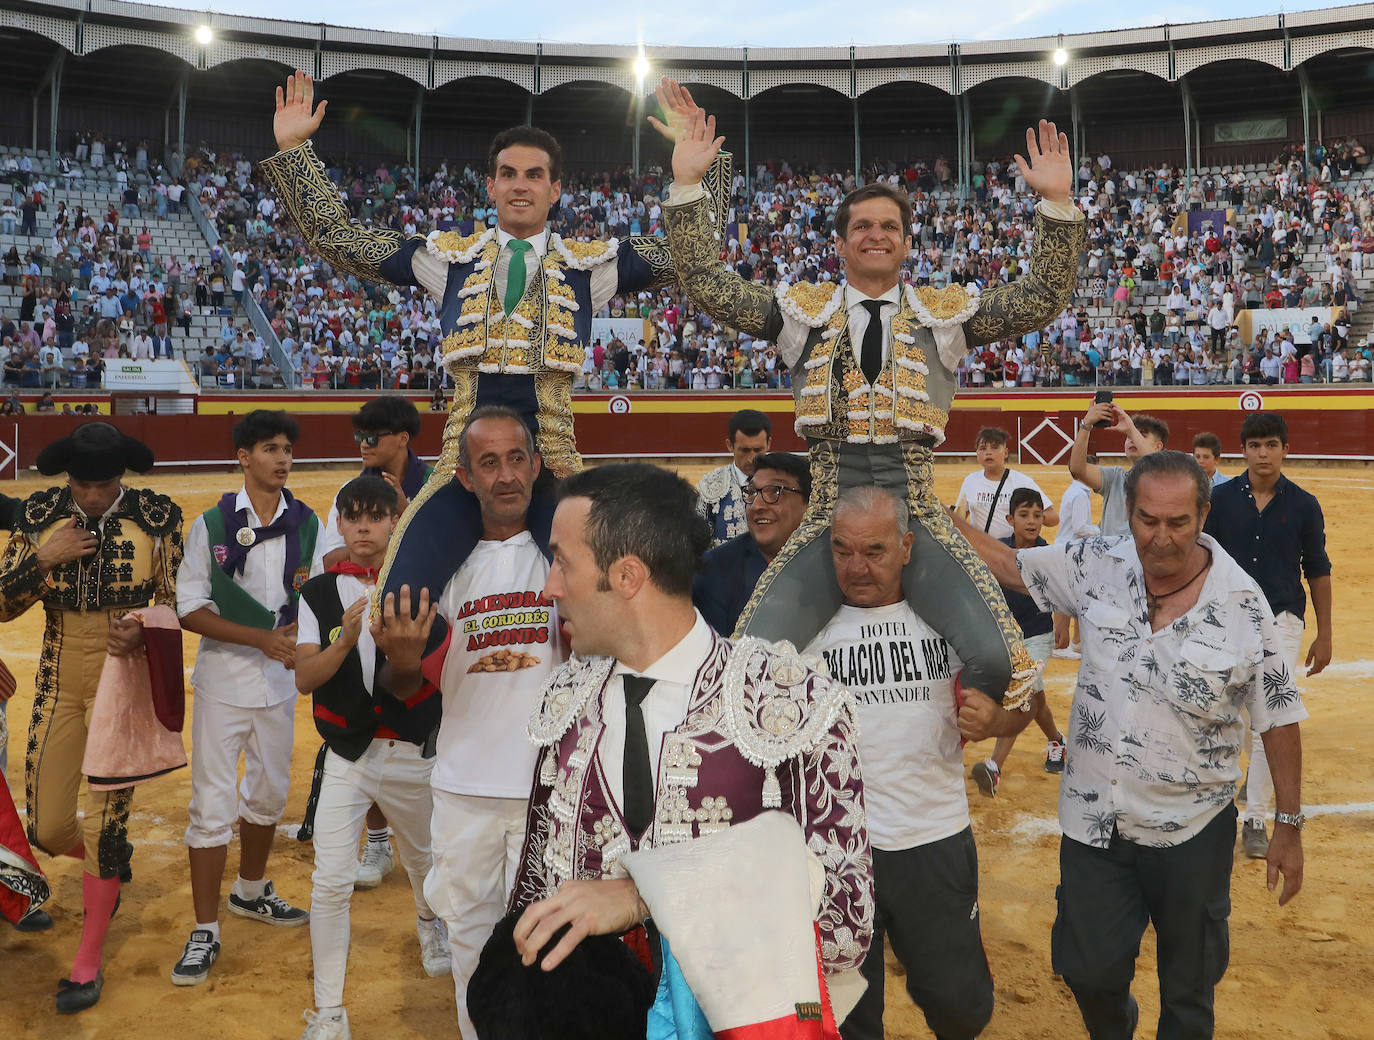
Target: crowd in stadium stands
pixel 337 332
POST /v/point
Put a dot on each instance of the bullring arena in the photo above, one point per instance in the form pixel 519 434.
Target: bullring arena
pixel 1147 96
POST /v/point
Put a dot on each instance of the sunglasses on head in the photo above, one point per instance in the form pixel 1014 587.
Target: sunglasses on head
pixel 370 437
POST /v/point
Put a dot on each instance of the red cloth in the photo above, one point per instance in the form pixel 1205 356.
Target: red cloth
pixel 349 567
pixel 22 885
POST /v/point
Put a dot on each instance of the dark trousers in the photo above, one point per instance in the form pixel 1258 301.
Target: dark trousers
pixel 926 903
pixel 1108 896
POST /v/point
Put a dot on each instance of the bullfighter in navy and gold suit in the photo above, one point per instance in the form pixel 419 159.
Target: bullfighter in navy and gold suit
pixel 515 334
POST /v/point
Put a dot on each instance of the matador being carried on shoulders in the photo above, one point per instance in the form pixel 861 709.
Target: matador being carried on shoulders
pixel 515 307
pixel 873 374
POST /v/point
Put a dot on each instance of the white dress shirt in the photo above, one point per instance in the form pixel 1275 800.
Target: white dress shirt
pixel 432 273
pixel 664 707
pixel 241 676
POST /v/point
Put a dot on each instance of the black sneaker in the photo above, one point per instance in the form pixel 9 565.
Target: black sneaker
pixel 1054 756
pixel 269 908
pixel 196 960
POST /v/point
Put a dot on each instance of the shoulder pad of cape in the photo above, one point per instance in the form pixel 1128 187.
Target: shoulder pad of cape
pixel 453 248
pixel 951 305
pixel 564 696
pixel 156 514
pixel 812 304
pixel 716 484
pixel 40 508
pixel 776 705
pixel 583 256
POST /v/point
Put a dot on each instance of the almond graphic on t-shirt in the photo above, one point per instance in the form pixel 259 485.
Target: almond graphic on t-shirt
pixel 503 661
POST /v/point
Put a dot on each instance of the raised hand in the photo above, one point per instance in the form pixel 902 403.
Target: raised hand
pixel 297 118
pixel 400 636
pixel 691 130
pixel 1049 169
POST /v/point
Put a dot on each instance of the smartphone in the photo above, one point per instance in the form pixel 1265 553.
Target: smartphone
pixel 1102 397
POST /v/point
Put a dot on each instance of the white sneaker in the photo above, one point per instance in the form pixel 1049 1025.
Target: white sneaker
pixel 378 861
pixel 1068 653
pixel 317 1028
pixel 434 951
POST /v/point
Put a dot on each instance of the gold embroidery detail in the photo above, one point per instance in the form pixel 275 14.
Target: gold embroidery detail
pixel 1034 300
pixel 312 201
pixel 943 303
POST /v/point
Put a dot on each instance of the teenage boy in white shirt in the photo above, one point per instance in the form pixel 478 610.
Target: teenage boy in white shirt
pixel 984 495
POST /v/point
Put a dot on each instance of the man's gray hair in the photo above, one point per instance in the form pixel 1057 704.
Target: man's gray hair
pixel 492 411
pixel 871 498
pixel 1166 463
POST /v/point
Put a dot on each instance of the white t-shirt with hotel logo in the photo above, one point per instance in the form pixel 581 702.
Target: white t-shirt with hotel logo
pixel 901 673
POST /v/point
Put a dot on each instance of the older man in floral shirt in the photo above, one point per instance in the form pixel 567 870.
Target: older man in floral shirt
pixel 1177 640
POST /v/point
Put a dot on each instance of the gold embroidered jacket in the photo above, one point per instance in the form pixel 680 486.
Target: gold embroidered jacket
pixel 136 562
pixel 911 398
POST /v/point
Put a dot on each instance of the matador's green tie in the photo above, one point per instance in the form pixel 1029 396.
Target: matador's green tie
pixel 516 274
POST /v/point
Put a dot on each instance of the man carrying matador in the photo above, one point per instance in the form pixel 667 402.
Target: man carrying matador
pixel 873 374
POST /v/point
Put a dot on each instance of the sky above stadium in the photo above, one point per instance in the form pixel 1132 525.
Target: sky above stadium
pixel 763 23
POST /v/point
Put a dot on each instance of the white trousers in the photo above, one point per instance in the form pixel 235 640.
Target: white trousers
pixel 220 733
pixel 477 845
pixel 392 774
pixel 1259 783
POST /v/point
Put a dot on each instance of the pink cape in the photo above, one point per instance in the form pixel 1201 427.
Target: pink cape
pixel 139 708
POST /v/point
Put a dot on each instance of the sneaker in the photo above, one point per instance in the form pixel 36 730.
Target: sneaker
pixel 1255 839
pixel 197 959
pixel 434 952
pixel 987 776
pixel 1068 653
pixel 1054 757
pixel 377 862
pixel 317 1028
pixel 269 908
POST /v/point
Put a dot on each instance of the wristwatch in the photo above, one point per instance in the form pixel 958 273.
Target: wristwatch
pixel 1292 819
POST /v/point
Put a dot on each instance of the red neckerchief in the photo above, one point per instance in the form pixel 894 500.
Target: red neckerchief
pixel 349 567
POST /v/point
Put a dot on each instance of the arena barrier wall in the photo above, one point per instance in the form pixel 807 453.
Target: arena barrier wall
pixel 1324 423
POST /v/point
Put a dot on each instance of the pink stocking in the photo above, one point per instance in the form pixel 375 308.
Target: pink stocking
pixel 98 896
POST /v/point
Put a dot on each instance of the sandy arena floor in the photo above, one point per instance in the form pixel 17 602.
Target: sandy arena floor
pixel 1300 972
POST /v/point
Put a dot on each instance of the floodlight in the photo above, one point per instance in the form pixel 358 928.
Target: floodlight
pixel 641 67
pixel 204 35
pixel 1061 56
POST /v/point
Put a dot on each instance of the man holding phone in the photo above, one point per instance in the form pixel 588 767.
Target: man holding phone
pixel 1145 435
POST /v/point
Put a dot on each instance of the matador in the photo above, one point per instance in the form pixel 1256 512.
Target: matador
pixel 515 308
pixel 873 376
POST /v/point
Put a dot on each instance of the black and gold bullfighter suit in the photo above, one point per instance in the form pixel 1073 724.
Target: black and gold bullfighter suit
pixel 526 360
pixel 862 434
pixel 134 564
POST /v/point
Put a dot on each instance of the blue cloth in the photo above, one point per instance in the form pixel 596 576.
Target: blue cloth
pixel 1033 620
pixel 726 580
pixel 676 1015
pixel 1278 547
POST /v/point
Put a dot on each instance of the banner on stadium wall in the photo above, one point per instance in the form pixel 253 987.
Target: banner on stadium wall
pixel 1197 218
pixel 1251 130
pixel 162 374
pixel 630 330
pixel 1292 319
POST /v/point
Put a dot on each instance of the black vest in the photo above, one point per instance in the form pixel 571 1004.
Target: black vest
pixel 346 715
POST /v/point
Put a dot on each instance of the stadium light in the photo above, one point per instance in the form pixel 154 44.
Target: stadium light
pixel 641 67
pixel 204 35
pixel 1061 57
